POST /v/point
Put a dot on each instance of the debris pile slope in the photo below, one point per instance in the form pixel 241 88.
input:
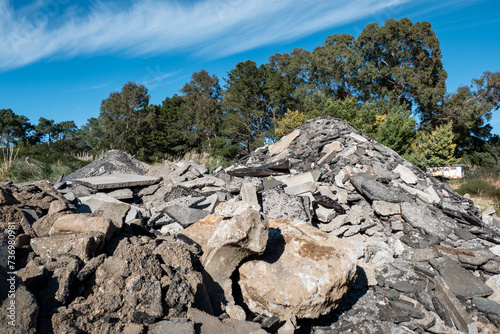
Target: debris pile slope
pixel 325 231
pixel 111 162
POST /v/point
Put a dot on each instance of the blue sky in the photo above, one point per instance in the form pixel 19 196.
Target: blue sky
pixel 60 58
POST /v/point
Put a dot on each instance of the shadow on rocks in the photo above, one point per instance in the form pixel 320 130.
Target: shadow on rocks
pixel 357 290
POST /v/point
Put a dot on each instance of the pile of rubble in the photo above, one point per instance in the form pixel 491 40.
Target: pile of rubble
pixel 326 231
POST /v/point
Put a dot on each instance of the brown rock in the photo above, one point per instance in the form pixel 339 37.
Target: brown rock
pixel 58 206
pixel 84 245
pixel 304 272
pixel 115 212
pixel 232 241
pixel 81 223
pixel 43 225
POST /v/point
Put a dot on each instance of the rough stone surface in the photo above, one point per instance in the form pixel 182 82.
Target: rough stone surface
pixel 314 270
pixel 83 245
pixel 283 143
pixel 233 240
pixel 80 223
pixel 462 283
pixel 184 215
pixel 279 205
pixel 20 316
pixel 420 218
pixel 111 162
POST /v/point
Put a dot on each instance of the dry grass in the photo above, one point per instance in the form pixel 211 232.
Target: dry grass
pixel 9 155
pixel 84 156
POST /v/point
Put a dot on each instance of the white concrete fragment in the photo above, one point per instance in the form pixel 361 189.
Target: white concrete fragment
pixel 283 143
pixel 406 174
pixel 357 137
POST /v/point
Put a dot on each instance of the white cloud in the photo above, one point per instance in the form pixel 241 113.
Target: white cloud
pixel 213 28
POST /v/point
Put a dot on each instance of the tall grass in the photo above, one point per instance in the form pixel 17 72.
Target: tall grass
pixel 16 169
pixel 8 158
pixel 483 185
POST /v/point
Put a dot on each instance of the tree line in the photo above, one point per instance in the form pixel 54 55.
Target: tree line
pixel 388 82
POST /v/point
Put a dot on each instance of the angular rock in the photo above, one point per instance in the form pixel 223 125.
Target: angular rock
pixel 385 208
pixel 476 257
pixel 406 174
pixel 462 283
pixel 81 223
pixel 122 194
pixel 283 143
pixel 184 215
pixel 279 205
pixel 93 202
pixel 171 229
pixel 324 215
pixel 233 240
pixel 115 212
pixel 90 267
pixel 58 206
pixel 230 209
pixel 300 188
pixel 486 305
pixel 66 280
pixel 249 193
pixel 83 245
pixel 314 270
pixel 116 181
pixel 420 218
pixel 366 185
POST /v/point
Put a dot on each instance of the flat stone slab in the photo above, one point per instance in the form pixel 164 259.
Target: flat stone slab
pixel 116 181
pixel 461 282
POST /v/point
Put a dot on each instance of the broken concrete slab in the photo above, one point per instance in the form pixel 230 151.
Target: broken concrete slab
pixel 122 194
pixel 233 240
pixel 283 143
pixel 81 223
pixel 89 204
pixel 385 208
pixel 249 193
pixel 185 215
pixel 83 245
pixel 421 218
pixel 406 174
pixel 279 205
pixel 116 181
pixel 301 188
pixel 461 282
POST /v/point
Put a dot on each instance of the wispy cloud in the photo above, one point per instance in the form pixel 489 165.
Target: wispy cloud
pixel 213 28
pixel 92 87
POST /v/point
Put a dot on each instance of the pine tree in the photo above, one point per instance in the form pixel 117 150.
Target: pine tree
pixel 434 149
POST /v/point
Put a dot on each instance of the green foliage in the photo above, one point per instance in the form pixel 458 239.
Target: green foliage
pixel 434 149
pixel 13 128
pixel 290 121
pixel 249 112
pixel 479 187
pixel 470 108
pixel 124 120
pixel 401 63
pixel 202 104
pixel 396 129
